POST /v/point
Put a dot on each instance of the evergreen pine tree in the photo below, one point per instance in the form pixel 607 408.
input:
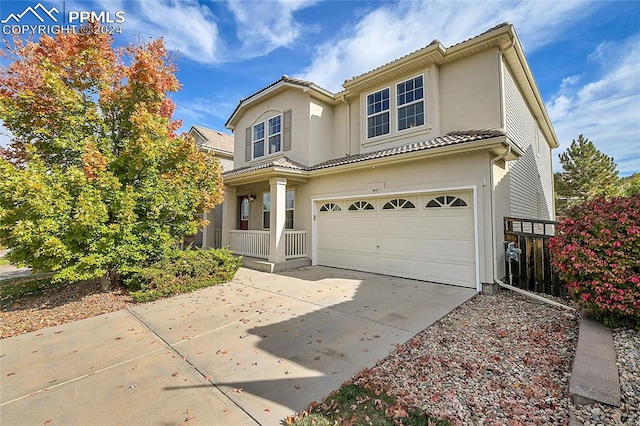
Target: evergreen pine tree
pixel 587 173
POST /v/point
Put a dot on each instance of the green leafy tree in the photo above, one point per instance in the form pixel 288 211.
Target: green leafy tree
pixel 95 180
pixel 631 185
pixel 586 173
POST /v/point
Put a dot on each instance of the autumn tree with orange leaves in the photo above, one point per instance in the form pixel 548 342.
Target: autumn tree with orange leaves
pixel 95 181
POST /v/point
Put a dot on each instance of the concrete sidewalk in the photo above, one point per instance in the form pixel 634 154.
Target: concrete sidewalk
pixel 251 351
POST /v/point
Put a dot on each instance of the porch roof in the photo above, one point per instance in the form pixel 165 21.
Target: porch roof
pixel 455 138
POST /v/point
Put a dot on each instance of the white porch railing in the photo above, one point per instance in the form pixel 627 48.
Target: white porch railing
pixel 256 243
pixel 250 243
pixel 295 244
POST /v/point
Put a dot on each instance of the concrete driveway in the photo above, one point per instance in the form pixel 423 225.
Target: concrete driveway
pixel 254 350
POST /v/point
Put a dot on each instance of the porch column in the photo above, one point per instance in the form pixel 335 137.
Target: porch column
pixel 278 205
pixel 229 213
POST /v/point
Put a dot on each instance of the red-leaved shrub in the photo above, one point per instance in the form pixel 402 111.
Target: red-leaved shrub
pixel 597 253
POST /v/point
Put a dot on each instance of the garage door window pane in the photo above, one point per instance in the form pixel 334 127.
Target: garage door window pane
pixel 399 203
pixel 361 205
pixel 446 201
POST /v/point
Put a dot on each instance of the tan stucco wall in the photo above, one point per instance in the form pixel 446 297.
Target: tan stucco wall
pixel 450 172
pixel 470 93
pixel 321 126
pixel 298 103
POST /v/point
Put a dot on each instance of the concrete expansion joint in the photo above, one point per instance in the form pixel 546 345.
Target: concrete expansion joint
pixel 186 359
pixel 301 299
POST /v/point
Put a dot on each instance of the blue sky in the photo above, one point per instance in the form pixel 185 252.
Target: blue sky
pixel 585 55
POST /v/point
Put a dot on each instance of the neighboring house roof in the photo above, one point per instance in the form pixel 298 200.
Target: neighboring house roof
pixel 452 138
pixel 218 142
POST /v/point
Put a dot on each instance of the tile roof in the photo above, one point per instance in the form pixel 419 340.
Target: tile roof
pixel 215 139
pixel 452 138
pixel 284 79
pixel 282 162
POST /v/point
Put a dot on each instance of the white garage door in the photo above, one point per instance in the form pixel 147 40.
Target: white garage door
pixel 427 237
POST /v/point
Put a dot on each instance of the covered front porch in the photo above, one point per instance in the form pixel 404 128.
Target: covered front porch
pixel 263 219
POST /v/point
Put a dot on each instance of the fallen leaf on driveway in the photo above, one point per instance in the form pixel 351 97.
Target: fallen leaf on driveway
pixel 237 390
pixel 11 374
pixel 175 374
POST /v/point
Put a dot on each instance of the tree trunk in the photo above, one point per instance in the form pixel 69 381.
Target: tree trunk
pixel 105 282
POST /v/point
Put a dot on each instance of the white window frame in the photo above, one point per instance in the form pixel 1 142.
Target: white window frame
pixel 254 140
pixel 266 225
pixel 266 196
pixel 398 107
pixel 291 209
pixel 273 135
pixel 375 114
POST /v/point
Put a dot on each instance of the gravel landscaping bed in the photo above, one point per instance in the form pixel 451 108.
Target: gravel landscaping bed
pixel 497 359
pixel 627 344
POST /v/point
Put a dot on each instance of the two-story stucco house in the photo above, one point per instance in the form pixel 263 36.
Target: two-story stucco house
pixel 408 171
pixel 221 144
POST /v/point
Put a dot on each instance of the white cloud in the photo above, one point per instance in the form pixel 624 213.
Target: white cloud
pixel 395 29
pixel 266 25
pixel 605 110
pixel 204 110
pixel 194 30
pixel 185 25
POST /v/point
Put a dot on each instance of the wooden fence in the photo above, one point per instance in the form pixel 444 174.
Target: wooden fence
pixel 534 271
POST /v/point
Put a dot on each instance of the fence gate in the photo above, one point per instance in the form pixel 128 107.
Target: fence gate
pixel 534 271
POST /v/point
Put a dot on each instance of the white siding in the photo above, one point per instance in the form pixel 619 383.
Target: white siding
pixel 530 177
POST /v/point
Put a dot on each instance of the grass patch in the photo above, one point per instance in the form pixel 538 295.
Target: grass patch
pixel 4 261
pixel 17 289
pixel 357 405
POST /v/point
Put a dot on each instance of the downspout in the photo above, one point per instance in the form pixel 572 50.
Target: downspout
pixel 493 210
pixel 343 99
pixel 493 242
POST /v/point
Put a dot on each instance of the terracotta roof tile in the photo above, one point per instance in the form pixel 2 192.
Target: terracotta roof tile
pixel 282 162
pixel 452 138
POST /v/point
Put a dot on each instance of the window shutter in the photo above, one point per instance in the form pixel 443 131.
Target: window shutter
pixel 247 145
pixel 286 143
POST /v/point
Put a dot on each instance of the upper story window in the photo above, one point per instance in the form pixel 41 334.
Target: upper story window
pixel 378 113
pixel 410 103
pixel 275 134
pixel 268 137
pixel 258 140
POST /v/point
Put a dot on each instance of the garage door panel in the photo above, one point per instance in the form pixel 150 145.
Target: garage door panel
pixel 462 249
pixel 457 273
pixel 394 245
pixel 454 224
pixel 433 244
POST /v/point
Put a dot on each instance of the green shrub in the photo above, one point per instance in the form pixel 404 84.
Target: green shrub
pixel 181 271
pixel 597 252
